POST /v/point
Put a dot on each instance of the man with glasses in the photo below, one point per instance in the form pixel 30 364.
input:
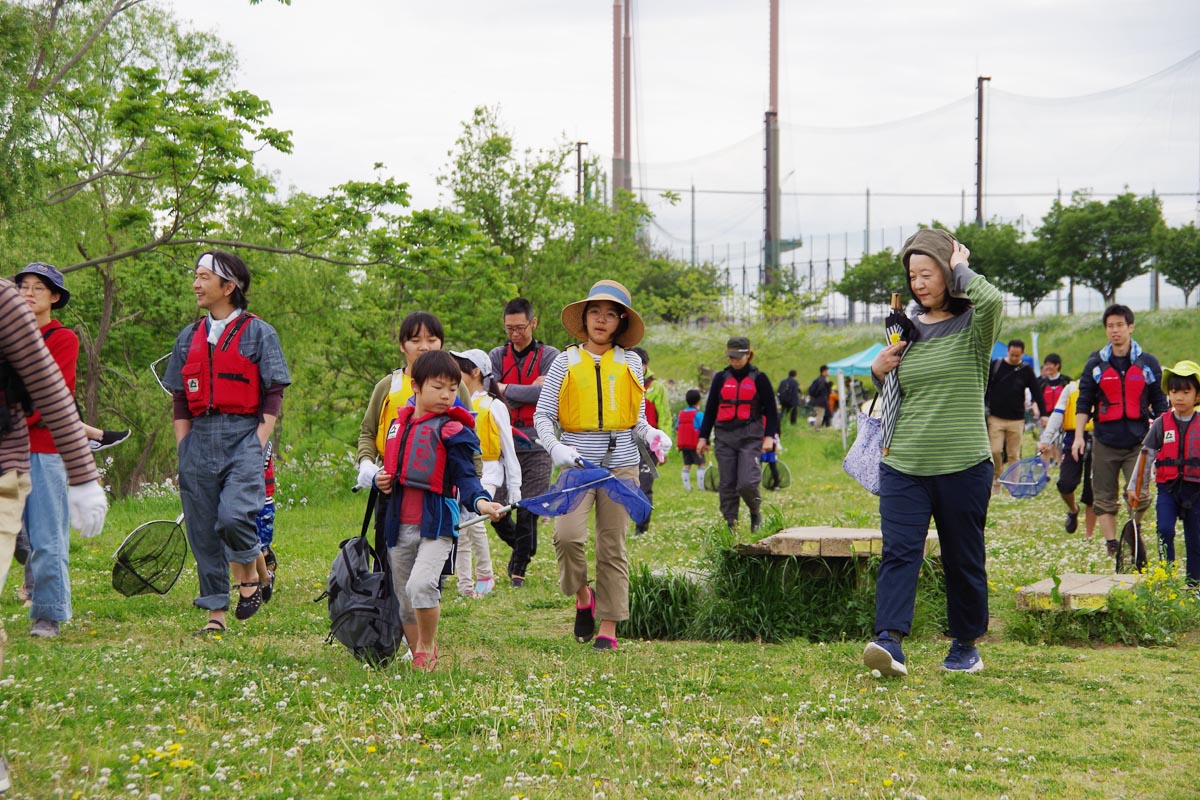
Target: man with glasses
pixel 520 366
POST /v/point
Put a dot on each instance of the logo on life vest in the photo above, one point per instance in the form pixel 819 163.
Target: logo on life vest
pixel 393 429
pixel 193 385
pixel 1168 437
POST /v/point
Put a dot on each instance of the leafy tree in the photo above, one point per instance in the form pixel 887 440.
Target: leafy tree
pixel 1012 264
pixel 1101 245
pixel 873 279
pixel 1177 257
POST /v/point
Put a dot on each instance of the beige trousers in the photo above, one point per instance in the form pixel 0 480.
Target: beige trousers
pixel 612 563
pixel 14 488
pixel 1004 434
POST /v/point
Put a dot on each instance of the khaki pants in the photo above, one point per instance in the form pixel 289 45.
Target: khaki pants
pixel 1004 434
pixel 1108 464
pixel 14 488
pixel 612 564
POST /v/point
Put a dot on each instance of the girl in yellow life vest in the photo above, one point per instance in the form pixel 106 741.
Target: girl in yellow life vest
pixel 493 425
pixel 594 393
pixel 1071 471
pixel 420 332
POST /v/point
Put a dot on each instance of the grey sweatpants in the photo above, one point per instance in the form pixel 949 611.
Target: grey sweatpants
pixel 221 485
pixel 739 468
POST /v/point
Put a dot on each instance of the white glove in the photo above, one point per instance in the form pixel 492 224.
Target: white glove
pixel 563 455
pixel 367 469
pixel 659 443
pixel 514 495
pixel 88 506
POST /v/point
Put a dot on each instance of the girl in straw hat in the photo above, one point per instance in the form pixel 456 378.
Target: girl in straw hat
pixel 593 391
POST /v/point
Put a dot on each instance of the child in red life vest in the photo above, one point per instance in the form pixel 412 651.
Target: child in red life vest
pixel 1174 443
pixel 687 434
pixel 428 468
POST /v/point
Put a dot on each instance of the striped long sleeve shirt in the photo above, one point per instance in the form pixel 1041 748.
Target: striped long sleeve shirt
pixel 941 427
pixel 22 348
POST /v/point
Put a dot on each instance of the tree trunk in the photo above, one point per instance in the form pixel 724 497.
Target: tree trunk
pixel 134 481
pixel 92 345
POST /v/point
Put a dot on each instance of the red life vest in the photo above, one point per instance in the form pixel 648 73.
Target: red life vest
pixel 1172 457
pixel 1120 395
pixel 738 399
pixel 223 380
pixel 416 450
pixel 511 372
pixel 1050 395
pixel 687 436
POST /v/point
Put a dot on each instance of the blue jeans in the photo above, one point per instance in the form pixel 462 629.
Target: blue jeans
pixel 958 503
pixel 46 519
pixel 1169 509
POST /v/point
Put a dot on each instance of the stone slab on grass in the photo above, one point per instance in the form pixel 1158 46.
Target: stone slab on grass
pixel 823 541
pixel 1078 592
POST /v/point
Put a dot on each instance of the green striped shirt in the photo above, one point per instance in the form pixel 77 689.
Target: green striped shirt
pixel 941 427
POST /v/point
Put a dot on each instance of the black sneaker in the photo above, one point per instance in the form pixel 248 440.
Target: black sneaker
pixel 108 439
pixel 1112 546
pixel 1072 521
pixel 755 522
pixel 585 620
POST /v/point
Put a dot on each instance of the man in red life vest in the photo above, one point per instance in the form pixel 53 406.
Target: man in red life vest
pixel 227 374
pixel 1053 381
pixel 519 367
pixel 1121 389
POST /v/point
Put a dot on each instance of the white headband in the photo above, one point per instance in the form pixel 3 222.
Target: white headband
pixel 217 268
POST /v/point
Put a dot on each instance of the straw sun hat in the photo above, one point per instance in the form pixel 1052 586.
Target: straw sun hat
pixel 572 315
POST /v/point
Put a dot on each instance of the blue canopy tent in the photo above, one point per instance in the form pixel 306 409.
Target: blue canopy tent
pixel 854 366
pixel 1000 350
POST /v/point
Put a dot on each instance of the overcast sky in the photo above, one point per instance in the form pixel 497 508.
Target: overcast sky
pixel 366 81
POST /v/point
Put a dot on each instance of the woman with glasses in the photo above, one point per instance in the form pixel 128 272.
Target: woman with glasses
pixel 741 407
pixel 593 391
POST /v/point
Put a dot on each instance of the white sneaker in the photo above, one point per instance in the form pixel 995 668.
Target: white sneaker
pixel 5 781
pixel 44 628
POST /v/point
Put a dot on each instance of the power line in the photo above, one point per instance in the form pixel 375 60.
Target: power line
pixel 874 193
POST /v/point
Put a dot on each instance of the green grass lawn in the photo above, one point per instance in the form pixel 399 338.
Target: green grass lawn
pixel 126 703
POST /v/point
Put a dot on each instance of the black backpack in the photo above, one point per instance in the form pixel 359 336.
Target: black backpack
pixel 364 614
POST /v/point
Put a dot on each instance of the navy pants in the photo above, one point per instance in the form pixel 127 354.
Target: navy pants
pixel 1169 509
pixel 739 469
pixel 958 504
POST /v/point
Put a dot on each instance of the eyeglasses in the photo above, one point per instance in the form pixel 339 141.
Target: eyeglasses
pixel 607 316
pixel 33 287
pixel 517 328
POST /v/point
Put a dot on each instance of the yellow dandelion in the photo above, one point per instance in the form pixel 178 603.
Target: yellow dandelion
pixel 175 747
pixel 887 781
pixel 180 731
pixel 715 760
pixel 182 763
pixel 135 758
pixel 371 748
pixel 764 740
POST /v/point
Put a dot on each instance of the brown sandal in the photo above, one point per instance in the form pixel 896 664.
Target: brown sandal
pixel 247 607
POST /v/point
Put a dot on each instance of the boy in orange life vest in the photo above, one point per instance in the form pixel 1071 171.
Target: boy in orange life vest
pixel 428 458
pixel 741 406
pixel 1122 385
pixel 227 375
pixel 1174 444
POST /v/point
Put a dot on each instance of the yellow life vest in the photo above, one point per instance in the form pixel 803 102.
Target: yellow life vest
pixel 486 428
pixel 599 397
pixel 1069 412
pixel 398 395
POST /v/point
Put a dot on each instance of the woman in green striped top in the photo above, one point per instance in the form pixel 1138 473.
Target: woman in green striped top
pixel 938 465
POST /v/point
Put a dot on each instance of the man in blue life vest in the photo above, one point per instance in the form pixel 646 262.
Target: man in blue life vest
pixel 519 367
pixel 1121 390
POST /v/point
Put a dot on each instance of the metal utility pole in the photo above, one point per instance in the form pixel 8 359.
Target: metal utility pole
pixel 580 178
pixel 618 172
pixel 979 149
pixel 626 105
pixel 693 226
pixel 771 124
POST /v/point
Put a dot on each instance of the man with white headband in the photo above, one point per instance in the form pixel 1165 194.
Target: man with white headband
pixel 227 374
